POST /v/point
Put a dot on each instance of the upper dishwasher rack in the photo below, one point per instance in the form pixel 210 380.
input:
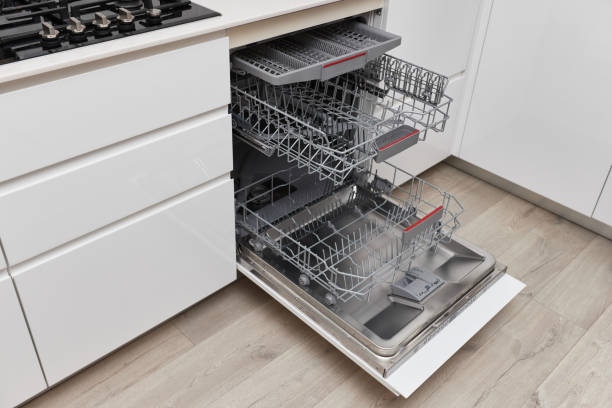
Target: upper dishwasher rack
pixel 336 126
pixel 320 53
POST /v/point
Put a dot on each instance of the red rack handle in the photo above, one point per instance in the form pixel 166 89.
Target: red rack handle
pixel 396 141
pixel 331 64
pixel 422 220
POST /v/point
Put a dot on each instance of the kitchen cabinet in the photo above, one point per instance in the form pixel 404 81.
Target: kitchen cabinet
pixel 20 373
pixel 603 211
pixel 77 194
pixel 99 292
pixel 436 34
pixel 539 114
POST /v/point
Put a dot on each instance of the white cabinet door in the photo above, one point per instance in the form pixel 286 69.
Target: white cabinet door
pixel 20 373
pixel 95 294
pixel 540 113
pixel 108 102
pixel 436 34
pixel 603 211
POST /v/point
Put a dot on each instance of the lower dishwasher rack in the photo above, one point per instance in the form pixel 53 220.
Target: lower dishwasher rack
pixel 350 239
pixel 421 292
pixel 337 126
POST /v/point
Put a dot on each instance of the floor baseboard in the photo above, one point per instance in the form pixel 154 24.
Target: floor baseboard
pixel 584 221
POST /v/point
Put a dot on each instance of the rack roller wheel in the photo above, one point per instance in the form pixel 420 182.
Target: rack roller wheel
pixel 257 245
pixel 329 299
pixel 304 280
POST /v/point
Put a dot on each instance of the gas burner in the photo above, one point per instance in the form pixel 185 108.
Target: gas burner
pixel 31 28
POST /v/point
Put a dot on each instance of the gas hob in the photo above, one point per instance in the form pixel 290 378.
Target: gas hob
pixel 30 28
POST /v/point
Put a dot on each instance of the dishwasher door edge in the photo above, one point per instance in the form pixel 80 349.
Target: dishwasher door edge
pixel 420 365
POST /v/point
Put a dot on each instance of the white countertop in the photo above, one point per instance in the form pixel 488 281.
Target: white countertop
pixel 233 13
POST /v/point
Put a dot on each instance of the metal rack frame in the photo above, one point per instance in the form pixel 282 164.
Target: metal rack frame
pixel 329 127
pixel 412 79
pixel 340 258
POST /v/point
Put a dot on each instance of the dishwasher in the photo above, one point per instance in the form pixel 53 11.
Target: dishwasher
pixel 359 249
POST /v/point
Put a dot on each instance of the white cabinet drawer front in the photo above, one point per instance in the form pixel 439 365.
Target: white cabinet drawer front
pixel 39 213
pixel 80 113
pixel 86 300
pixel 20 374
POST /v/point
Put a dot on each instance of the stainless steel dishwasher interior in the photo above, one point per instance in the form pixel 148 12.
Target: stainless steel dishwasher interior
pixel 383 325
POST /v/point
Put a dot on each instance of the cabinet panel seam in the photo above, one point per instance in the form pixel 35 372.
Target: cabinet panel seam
pixel 25 318
pixel 601 192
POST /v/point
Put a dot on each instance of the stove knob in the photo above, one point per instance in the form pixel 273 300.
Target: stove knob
pixel 49 36
pixel 125 20
pixel 154 17
pixel 76 30
pixel 153 14
pixel 101 25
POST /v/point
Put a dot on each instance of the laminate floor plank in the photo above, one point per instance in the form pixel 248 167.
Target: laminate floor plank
pixel 583 290
pixel 118 371
pixel 301 377
pixel 220 310
pixel 549 347
pixel 219 363
pixel 584 377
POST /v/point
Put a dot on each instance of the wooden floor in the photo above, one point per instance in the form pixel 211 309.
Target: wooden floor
pixel 550 347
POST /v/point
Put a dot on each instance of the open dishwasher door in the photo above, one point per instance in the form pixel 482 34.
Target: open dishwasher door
pixel 432 349
pixel 372 267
